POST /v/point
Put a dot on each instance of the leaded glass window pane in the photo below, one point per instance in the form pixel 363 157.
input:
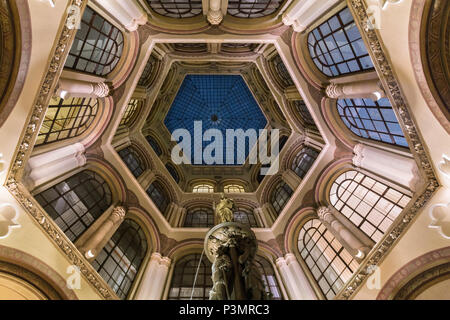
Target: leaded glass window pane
pixel 336 46
pixel 159 196
pixel 97 47
pixel 75 203
pixel 133 160
pixel 120 259
pixel 199 218
pixel 176 8
pixel 67 119
pixel 280 196
pixel 329 262
pixel 303 161
pixel 370 205
pixel 374 120
pixel 253 8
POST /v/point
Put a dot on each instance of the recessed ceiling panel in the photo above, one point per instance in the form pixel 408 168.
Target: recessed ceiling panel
pixel 220 102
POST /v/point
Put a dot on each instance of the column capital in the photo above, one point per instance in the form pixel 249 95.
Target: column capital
pixel 165 261
pixel 118 214
pixel 334 91
pixel 101 89
pixel 281 262
pixel 322 212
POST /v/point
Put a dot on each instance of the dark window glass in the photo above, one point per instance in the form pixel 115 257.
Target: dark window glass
pixel 155 146
pixel 149 72
pixel 280 196
pixel 253 8
pixel 177 8
pixel 159 196
pixel 130 113
pixel 373 120
pixel 120 259
pixel 282 142
pixel 303 161
pixel 336 46
pixel 66 119
pixel 97 46
pixel 281 72
pixel 199 218
pixel 75 203
pixel 183 279
pixel 173 172
pixel 245 216
pixel 304 114
pixel 329 262
pixel 133 160
pixel 268 277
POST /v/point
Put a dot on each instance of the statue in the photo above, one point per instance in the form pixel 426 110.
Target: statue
pixel 224 210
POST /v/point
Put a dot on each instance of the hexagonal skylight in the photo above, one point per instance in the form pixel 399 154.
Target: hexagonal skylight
pixel 220 102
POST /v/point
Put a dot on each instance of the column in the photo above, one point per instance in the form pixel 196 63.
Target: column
pixel 50 165
pixel 215 10
pixel 371 89
pixel 292 179
pixel 100 237
pixel 285 274
pixel 306 292
pixel 397 168
pixel 153 280
pixel 294 278
pixel 129 13
pixel 302 13
pixel 68 88
pixel 350 241
pixel 259 215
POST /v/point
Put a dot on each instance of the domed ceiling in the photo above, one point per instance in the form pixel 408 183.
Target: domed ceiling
pixel 222 102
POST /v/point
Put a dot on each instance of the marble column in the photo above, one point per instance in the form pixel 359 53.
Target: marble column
pixel 302 13
pixel 104 232
pixel 400 169
pixel 371 89
pixel 154 278
pixel 50 165
pixel 341 232
pixel 128 13
pixel 68 88
pixel 294 278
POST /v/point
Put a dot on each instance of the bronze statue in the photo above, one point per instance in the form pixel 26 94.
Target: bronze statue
pixel 224 210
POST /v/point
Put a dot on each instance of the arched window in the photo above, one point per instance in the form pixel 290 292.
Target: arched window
pixel 155 146
pixel 176 8
pixel 75 203
pixel 119 261
pixel 133 160
pixel 282 72
pixel 253 8
pixel 245 216
pixel 280 196
pixel 303 161
pixel 183 278
pixel 97 46
pixel 329 262
pixel 130 113
pixel 337 48
pixel 203 188
pixel 173 172
pixel 304 114
pixel 66 119
pixel 373 120
pixel 149 72
pixel 233 188
pixel 199 218
pixel 268 277
pixel 159 196
pixel 370 205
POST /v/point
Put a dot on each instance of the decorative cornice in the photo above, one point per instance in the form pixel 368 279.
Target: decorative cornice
pixel 401 108
pixel 23 152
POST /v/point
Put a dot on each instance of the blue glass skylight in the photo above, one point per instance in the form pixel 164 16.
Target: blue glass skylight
pixel 221 102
